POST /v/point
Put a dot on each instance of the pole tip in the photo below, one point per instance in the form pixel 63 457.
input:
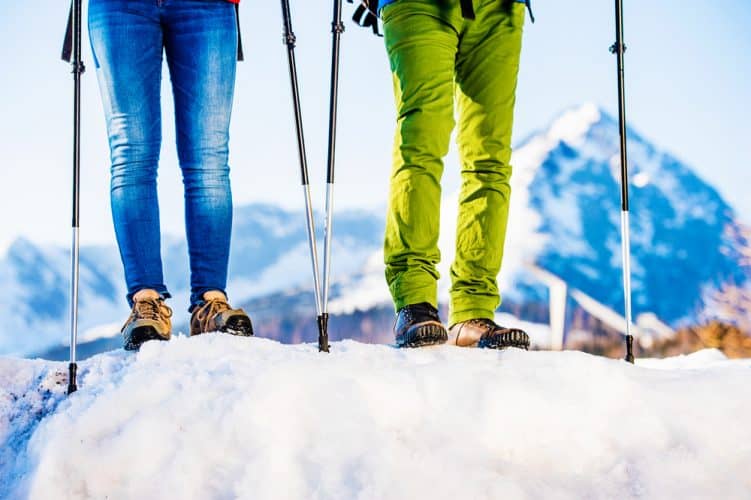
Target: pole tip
pixel 323 333
pixel 630 349
pixel 72 371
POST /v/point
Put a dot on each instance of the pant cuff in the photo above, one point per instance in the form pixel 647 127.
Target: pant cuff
pixel 423 294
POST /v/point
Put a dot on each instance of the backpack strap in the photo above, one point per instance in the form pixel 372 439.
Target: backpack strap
pixel 366 14
pixel 68 41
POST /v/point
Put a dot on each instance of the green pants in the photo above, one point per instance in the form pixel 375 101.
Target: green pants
pixel 438 58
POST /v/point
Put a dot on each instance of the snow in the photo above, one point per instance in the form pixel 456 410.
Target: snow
pixel 641 179
pixel 573 124
pixel 224 417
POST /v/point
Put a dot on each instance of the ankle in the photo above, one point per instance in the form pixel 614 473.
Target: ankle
pixel 146 294
pixel 214 295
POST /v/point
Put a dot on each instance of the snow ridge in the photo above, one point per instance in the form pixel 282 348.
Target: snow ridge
pixel 222 417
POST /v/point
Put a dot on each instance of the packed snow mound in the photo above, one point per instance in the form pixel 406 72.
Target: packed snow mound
pixel 225 417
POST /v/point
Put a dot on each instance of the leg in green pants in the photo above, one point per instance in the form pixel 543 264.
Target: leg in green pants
pixel 435 55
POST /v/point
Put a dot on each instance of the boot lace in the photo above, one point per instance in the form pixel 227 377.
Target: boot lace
pixel 210 309
pixel 486 323
pixel 492 328
pixel 154 309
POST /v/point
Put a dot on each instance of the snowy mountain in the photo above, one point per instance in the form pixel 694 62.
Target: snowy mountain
pixel 564 218
pixel 682 241
pixel 224 417
pixel 36 290
pixel 269 255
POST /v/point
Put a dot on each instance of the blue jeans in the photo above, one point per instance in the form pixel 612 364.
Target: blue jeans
pixel 199 38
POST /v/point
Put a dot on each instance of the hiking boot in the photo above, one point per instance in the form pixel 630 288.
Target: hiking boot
pixel 216 315
pixel 485 333
pixel 149 320
pixel 418 325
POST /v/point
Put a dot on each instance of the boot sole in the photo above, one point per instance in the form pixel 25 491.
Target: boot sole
pixel 423 336
pixel 238 325
pixel 138 336
pixel 512 338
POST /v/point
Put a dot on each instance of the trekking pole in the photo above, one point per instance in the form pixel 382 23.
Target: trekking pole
pixel 337 28
pixel 619 48
pixel 78 69
pixel 289 40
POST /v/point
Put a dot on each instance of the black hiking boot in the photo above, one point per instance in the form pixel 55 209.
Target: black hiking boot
pixel 418 325
pixel 485 333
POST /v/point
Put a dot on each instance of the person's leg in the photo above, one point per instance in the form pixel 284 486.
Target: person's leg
pixel 126 39
pixel 487 67
pixel 421 47
pixel 201 47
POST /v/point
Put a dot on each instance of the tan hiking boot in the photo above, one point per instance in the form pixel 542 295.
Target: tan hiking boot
pixel 485 333
pixel 216 315
pixel 149 320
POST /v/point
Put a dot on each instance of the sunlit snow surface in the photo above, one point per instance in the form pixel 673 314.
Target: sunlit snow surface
pixel 224 417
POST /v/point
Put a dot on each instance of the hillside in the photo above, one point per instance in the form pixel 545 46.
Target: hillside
pixel 224 417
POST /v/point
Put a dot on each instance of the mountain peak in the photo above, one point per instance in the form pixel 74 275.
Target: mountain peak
pixel 572 125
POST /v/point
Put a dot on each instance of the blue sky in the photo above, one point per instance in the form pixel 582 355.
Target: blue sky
pixel 687 73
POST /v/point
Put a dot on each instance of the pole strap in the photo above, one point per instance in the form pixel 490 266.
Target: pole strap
pixel 240 55
pixel 68 41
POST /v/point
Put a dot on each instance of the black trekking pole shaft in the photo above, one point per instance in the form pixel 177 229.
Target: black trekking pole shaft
pixel 337 28
pixel 290 41
pixel 619 49
pixel 78 69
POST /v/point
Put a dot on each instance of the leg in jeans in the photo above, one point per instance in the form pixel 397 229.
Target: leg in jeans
pixel 487 67
pixel 422 50
pixel 201 46
pixel 126 39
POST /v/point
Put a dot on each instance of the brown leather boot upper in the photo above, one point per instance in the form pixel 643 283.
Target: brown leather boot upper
pixel 216 315
pixel 482 332
pixel 150 319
